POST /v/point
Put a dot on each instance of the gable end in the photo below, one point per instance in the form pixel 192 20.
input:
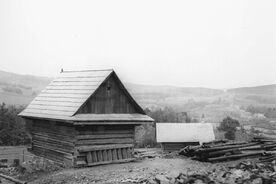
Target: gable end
pixel 110 97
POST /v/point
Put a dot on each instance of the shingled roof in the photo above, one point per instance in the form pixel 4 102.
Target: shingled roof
pixel 63 97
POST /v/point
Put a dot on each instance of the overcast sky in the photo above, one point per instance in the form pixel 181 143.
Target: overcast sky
pixel 218 44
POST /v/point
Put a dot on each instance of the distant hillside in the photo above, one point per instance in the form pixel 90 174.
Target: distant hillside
pixel 163 92
pixel 161 96
pixel 172 90
pixel 20 89
pixel 260 94
pixel 26 81
pixel 263 90
pixel 209 105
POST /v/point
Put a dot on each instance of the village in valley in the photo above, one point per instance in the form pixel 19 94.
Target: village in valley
pixel 137 92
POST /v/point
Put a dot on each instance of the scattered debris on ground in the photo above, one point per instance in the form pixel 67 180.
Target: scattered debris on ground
pixel 143 153
pixel 14 180
pixel 156 167
pixel 246 172
pixel 228 150
pixel 28 170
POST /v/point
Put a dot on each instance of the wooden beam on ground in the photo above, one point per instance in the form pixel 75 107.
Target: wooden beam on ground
pixel 12 179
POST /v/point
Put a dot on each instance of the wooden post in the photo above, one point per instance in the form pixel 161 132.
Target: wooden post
pixel 23 158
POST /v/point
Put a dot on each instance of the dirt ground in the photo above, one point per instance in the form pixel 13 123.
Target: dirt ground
pixel 133 172
pixel 150 163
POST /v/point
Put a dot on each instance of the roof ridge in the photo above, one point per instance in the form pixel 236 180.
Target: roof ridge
pixel 87 70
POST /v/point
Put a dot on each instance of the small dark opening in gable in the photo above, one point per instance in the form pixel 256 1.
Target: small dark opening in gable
pixel 108 86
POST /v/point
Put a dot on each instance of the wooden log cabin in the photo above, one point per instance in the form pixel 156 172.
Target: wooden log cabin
pixel 84 118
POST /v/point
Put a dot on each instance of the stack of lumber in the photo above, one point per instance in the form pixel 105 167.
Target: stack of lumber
pixel 141 153
pixel 229 150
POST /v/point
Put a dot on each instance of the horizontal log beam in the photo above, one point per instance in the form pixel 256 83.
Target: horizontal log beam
pixel 104 132
pixel 113 161
pixel 52 140
pixel 103 147
pixel 104 136
pixel 105 141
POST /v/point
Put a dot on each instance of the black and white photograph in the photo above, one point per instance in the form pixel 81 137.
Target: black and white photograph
pixel 137 92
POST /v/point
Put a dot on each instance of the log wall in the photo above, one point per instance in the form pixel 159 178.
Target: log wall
pixel 82 145
pixel 53 140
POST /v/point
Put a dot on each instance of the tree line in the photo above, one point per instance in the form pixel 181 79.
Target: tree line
pixel 12 128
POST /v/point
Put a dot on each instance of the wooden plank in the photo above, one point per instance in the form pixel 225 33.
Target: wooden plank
pixel 121 117
pixel 114 154
pixel 52 140
pixel 77 80
pixel 68 91
pixel 119 152
pixel 49 112
pixel 52 124
pixel 113 161
pixel 59 99
pixel 56 147
pixel 96 121
pixel 89 157
pixel 238 156
pixel 109 154
pixel 54 143
pixel 104 141
pixel 60 118
pixel 12 179
pixel 100 156
pixel 53 108
pixel 104 136
pixel 63 95
pixel 52 135
pixel 56 103
pixel 72 88
pixel 55 133
pixel 102 147
pixel 94 156
pixel 124 153
pixel 62 82
pixel 104 155
pixel 104 132
pixel 108 127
